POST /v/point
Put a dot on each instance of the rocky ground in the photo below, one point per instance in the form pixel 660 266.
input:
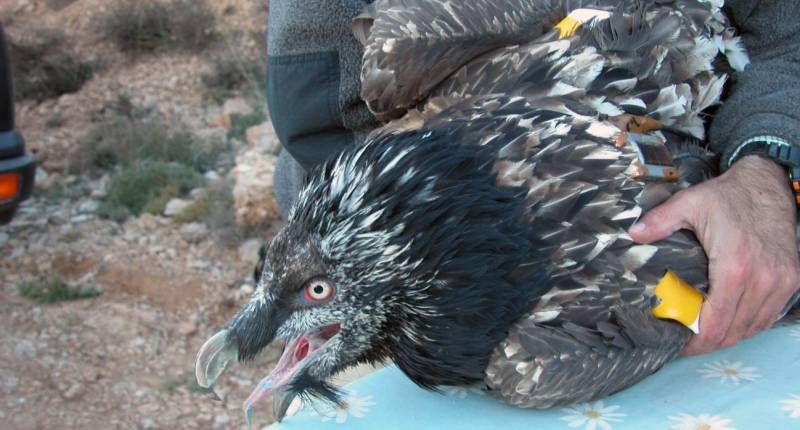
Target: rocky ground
pixel 124 359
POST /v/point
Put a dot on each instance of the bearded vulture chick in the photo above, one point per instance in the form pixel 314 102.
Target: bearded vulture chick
pixel 481 238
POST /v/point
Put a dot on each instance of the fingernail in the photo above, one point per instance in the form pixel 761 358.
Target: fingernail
pixel 637 228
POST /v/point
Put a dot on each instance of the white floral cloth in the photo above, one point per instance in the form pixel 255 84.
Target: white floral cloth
pixel 753 386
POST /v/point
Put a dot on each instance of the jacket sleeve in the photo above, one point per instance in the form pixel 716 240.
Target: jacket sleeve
pixel 765 100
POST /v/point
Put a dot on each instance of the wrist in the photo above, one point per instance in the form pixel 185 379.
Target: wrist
pixel 780 150
pixel 773 157
pixel 764 165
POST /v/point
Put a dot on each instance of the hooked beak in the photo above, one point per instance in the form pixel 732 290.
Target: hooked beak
pixel 213 358
pixel 222 349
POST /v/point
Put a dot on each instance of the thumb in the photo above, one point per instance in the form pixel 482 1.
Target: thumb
pixel 663 220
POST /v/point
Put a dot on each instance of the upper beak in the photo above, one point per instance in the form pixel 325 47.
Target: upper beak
pixel 250 330
pixel 214 357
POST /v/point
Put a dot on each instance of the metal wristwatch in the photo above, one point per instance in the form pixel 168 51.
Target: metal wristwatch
pixel 776 149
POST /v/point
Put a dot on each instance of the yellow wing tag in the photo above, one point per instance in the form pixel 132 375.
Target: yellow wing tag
pixel 569 25
pixel 679 301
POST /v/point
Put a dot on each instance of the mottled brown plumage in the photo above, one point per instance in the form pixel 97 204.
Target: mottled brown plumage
pixel 480 236
pixel 592 333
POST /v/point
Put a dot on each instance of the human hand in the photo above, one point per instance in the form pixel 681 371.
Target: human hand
pixel 745 221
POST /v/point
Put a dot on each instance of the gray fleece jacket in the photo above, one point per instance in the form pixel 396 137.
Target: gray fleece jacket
pixel 314 82
pixel 765 101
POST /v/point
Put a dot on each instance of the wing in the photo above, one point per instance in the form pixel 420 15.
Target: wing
pixel 573 363
pixel 558 113
pixel 439 37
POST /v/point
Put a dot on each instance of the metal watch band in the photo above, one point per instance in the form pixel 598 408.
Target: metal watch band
pixel 777 149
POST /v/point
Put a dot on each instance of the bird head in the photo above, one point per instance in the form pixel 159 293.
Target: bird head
pixel 402 249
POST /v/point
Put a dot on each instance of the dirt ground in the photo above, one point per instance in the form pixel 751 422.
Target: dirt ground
pixel 124 359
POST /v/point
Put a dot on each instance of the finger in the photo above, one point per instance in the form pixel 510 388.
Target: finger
pixel 664 219
pixel 718 311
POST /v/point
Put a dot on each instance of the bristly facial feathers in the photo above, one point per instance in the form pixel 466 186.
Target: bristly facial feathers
pixel 444 296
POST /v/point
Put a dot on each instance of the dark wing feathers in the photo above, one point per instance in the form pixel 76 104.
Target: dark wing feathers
pixel 571 362
pixel 543 105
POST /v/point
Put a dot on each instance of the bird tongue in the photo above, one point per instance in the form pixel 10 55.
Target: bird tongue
pixel 294 354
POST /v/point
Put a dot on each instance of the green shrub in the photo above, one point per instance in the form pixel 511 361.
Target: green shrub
pixel 124 106
pixel 196 211
pixel 232 74
pixel 240 69
pixel 216 210
pixel 147 186
pixel 123 141
pixel 55 120
pixel 240 123
pixel 44 66
pixel 187 379
pixel 70 236
pixel 157 204
pixel 137 26
pixel 54 290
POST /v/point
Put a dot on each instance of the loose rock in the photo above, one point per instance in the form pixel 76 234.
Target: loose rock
pixel 148 424
pixel 262 137
pixel 237 106
pixel 221 121
pixel 148 221
pixel 246 289
pixel 194 232
pixel 80 219
pixel 89 206
pixel 253 193
pixel 187 328
pixel 25 349
pixel 176 206
pixel 197 193
pixel 248 251
pixel 212 177
pixel 74 391
pixel 221 420
pixel 213 135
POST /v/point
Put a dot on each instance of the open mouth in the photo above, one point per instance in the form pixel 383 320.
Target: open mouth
pixel 297 352
pixel 301 349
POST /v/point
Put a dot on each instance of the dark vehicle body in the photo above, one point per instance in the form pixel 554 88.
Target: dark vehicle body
pixel 17 168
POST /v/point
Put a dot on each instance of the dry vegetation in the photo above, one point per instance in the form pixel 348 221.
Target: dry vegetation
pixel 105 298
pixel 45 66
pixel 140 26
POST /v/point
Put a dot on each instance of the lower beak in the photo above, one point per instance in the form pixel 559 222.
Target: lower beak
pixel 281 400
pixel 278 383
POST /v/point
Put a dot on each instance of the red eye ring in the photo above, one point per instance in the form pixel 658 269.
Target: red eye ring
pixel 317 290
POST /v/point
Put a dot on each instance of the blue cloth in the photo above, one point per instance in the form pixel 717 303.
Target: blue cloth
pixel 755 385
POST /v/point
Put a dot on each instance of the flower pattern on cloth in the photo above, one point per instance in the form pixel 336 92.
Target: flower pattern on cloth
pixel 726 371
pixel 792 406
pixel 752 386
pixel 461 392
pixel 700 422
pixel 591 416
pixel 357 406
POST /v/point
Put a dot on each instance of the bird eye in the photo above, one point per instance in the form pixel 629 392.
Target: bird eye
pixel 317 290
